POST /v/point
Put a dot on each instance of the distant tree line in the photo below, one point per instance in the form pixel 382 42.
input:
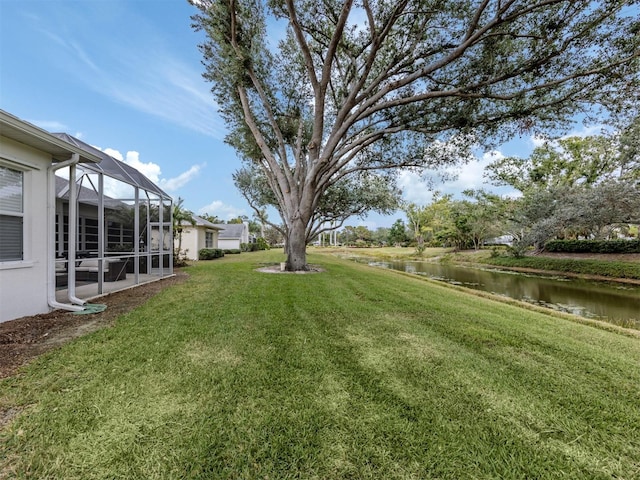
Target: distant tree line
pixel 568 189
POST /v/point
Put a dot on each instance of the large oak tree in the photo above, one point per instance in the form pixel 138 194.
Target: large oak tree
pixel 361 87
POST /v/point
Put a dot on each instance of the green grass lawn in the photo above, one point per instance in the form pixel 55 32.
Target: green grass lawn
pixel 352 373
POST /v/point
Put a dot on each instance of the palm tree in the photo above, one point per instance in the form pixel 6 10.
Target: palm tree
pixel 180 216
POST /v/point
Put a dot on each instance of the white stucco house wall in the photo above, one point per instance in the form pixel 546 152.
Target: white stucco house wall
pixel 27 158
pixel 203 234
pixel 42 232
pixel 232 235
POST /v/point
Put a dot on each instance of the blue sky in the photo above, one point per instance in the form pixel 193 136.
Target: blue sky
pixel 126 77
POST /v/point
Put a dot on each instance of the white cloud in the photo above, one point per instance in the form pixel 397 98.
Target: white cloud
pixel 538 140
pixel 358 20
pixel 583 131
pixel 140 70
pixel 150 170
pixel 418 188
pixel 116 189
pixel 414 188
pixel 82 55
pixel 470 176
pixel 587 131
pixel 166 88
pixel 54 126
pixel 153 171
pixel 221 210
pixel 173 184
pixel 50 125
pixel 370 224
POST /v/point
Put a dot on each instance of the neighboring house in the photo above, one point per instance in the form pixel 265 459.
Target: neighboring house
pixel 61 237
pixel 232 235
pixel 203 234
pixel 502 240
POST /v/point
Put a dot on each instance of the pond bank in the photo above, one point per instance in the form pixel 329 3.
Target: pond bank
pixel 482 259
pixel 559 273
pixel 608 301
pixel 616 268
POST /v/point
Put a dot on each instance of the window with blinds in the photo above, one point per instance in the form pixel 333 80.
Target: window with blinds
pixel 11 214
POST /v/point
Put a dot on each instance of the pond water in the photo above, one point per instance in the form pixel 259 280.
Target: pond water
pixel 612 302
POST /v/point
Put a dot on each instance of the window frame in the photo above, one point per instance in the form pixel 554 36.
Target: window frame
pixel 21 214
pixel 208 239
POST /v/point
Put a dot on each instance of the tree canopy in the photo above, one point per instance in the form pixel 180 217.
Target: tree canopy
pixel 571 161
pixel 365 86
pixel 572 187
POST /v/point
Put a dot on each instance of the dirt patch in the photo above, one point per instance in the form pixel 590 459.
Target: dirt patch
pixel 278 269
pixel 23 339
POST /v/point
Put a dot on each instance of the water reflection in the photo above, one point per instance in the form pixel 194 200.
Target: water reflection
pixel 619 304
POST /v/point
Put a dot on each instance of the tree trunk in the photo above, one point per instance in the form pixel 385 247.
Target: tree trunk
pixel 420 244
pixel 296 247
pixel 177 250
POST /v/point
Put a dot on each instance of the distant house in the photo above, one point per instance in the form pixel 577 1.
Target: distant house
pixel 203 234
pixel 63 240
pixel 502 240
pixel 232 235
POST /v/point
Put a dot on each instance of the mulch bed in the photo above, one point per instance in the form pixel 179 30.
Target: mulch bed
pixel 23 339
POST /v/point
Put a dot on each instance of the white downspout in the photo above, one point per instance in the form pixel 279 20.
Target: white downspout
pixel 51 230
pixel 73 231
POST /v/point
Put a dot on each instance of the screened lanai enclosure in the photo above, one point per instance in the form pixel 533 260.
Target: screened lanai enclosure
pixel 113 228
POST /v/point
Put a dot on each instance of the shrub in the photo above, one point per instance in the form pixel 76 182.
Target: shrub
pixel 518 249
pixel 180 259
pixel 593 246
pixel 210 253
pixel 232 251
pixel 262 244
pixel 259 244
pixel 120 247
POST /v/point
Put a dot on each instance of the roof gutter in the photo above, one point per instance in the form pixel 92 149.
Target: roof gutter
pixel 24 132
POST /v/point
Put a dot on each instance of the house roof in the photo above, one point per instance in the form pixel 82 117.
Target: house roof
pixel 24 132
pixel 231 230
pixel 114 168
pixel 86 195
pixel 201 222
pixel 61 146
